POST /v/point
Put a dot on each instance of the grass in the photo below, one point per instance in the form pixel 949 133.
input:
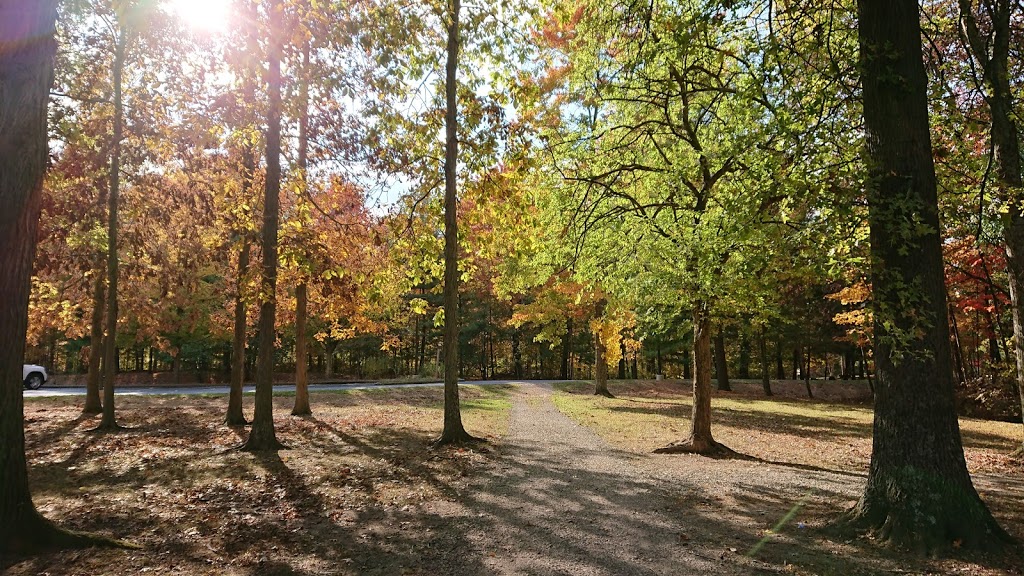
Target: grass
pixel 648 415
pixel 349 492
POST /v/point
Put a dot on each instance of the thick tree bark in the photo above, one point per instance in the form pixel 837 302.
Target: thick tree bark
pixel 721 364
pixel 454 432
pixel 992 54
pixel 110 362
pixel 263 437
pixel 700 440
pixel 918 493
pixel 27 51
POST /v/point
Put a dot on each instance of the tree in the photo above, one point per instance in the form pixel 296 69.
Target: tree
pixel 919 493
pixel 992 53
pixel 113 197
pixel 262 437
pixel 27 49
pixel 453 431
pixel 301 407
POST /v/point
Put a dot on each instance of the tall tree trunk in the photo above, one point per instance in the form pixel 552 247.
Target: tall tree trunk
pixel 517 356
pixel 110 362
pixel 235 416
pixel 454 432
pixel 262 436
pixel 766 384
pixel 721 364
pixel 992 54
pixel 700 440
pixel 92 383
pixel 301 407
pixel 600 353
pixel 27 51
pixel 918 492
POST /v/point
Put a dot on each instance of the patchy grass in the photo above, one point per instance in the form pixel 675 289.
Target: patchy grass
pixel 806 435
pixel 646 415
pixel 356 489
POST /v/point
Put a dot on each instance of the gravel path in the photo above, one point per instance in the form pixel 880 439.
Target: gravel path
pixel 560 500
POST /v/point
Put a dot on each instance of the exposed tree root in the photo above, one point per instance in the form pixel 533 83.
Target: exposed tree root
pixel 302 412
pixel 457 438
pixel 36 534
pixel 108 428
pixel 262 439
pixel 704 447
pixel 236 422
pixel 928 523
pixel 604 393
pixel 92 410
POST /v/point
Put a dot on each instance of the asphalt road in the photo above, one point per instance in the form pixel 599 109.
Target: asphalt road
pixel 45 392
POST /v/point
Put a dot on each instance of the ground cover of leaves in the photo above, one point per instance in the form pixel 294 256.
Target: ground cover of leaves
pixel 357 492
pixel 347 497
pixel 802 463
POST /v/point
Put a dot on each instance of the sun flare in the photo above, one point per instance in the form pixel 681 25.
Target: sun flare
pixel 206 16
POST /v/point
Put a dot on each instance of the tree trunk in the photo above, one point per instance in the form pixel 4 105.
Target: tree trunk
pixel 808 357
pixel 235 417
pixel 744 366
pixel 918 493
pixel 92 384
pixel 992 54
pixel 958 351
pixel 454 432
pixel 600 354
pixel 700 440
pixel 566 348
pixel 262 436
pixel 721 365
pixel 766 384
pixel 867 370
pixel 26 74
pixel 517 356
pixel 797 362
pixel 780 370
pixel 301 407
pixel 687 364
pixel 110 362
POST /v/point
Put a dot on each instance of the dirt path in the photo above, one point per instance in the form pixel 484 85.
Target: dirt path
pixel 560 500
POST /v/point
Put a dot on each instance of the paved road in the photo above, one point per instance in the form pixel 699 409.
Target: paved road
pixel 192 390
